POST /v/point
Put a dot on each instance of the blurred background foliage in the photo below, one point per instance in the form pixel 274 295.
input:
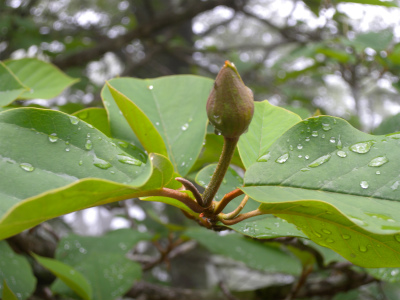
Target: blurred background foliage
pixel 336 57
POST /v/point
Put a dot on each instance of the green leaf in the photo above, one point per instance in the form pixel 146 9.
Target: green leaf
pixel 44 80
pixel 102 261
pixel 268 124
pixel 174 104
pixel 16 271
pixel 338 185
pixel 388 125
pixel 144 130
pixel 75 280
pixel 10 87
pixel 376 40
pixel 95 116
pixel 385 274
pixel 262 227
pixel 255 255
pixel 372 2
pixel 53 164
pixel 8 293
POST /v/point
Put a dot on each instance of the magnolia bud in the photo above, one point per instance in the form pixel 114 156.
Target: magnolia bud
pixel 230 105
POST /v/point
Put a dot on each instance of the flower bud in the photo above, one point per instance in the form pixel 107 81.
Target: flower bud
pixel 230 105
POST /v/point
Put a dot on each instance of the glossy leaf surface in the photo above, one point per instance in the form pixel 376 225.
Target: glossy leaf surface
pixel 268 124
pixel 339 185
pixel 44 80
pixel 95 116
pixel 177 112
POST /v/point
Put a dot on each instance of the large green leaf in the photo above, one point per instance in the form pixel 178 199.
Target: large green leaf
pixel 144 130
pixel 8 294
pixel 262 227
pixel 10 87
pixel 44 80
pixel 376 40
pixel 72 278
pixel 254 254
pixel 102 261
pixel 174 104
pixel 338 185
pixel 52 164
pixel 268 124
pixel 16 271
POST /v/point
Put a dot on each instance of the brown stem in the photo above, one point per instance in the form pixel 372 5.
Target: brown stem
pixel 242 217
pixel 219 206
pixel 236 211
pixel 190 187
pixel 182 197
pixel 227 152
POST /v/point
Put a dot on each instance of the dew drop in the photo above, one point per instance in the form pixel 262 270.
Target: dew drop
pixel 314 133
pixel 304 169
pixel 320 161
pixel 326 127
pixel 326 231
pixel 362 147
pixel 395 136
pixel 67 149
pixel 332 140
pixel 27 167
pixel 364 184
pixel 150 87
pixel 83 114
pixel 217 119
pixel 264 158
pixel 323 135
pixel 157 123
pixel 74 120
pixel 185 126
pixel 341 153
pixel 282 159
pixel 300 156
pixel 378 172
pixel 317 234
pixel 329 240
pixel 339 144
pixel 307 139
pixel 378 161
pixel 88 145
pixel 363 249
pixel 128 160
pixel 346 236
pixel 90 126
pixel 299 146
pixel 217 132
pixel 306 157
pixel 100 163
pixel 395 185
pixel 53 138
pixel 291 148
pixel 80 163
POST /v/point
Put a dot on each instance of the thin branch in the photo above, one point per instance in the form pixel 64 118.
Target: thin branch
pixel 219 206
pixel 190 187
pixel 242 217
pixel 237 210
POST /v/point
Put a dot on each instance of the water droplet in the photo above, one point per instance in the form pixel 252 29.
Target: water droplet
pixel 334 121
pixel 291 148
pixel 217 119
pixel 264 158
pixel 320 161
pixel 329 240
pixel 88 135
pixel 89 145
pixel 395 136
pixel 363 249
pixel 67 149
pixel 323 135
pixel 339 144
pixel 157 123
pixel 299 146
pixel 83 114
pixel 317 234
pixel 378 161
pixel 150 87
pixel 307 139
pixel 282 159
pixel 300 156
pixel 80 163
pixel 306 157
pixel 27 167
pixel 304 169
pixel 395 185
pixel 326 127
pixel 53 138
pixel 378 172
pixel 74 120
pixel 90 126
pixel 326 231
pixel 67 143
pixel 314 133
pixel 362 147
pixel 129 160
pixel 364 184
pixel 185 126
pixel 346 236
pixel 341 153
pixel 123 144
pixel 332 140
pixel 308 129
pixel 100 163
pixel 397 237
pixel 217 132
